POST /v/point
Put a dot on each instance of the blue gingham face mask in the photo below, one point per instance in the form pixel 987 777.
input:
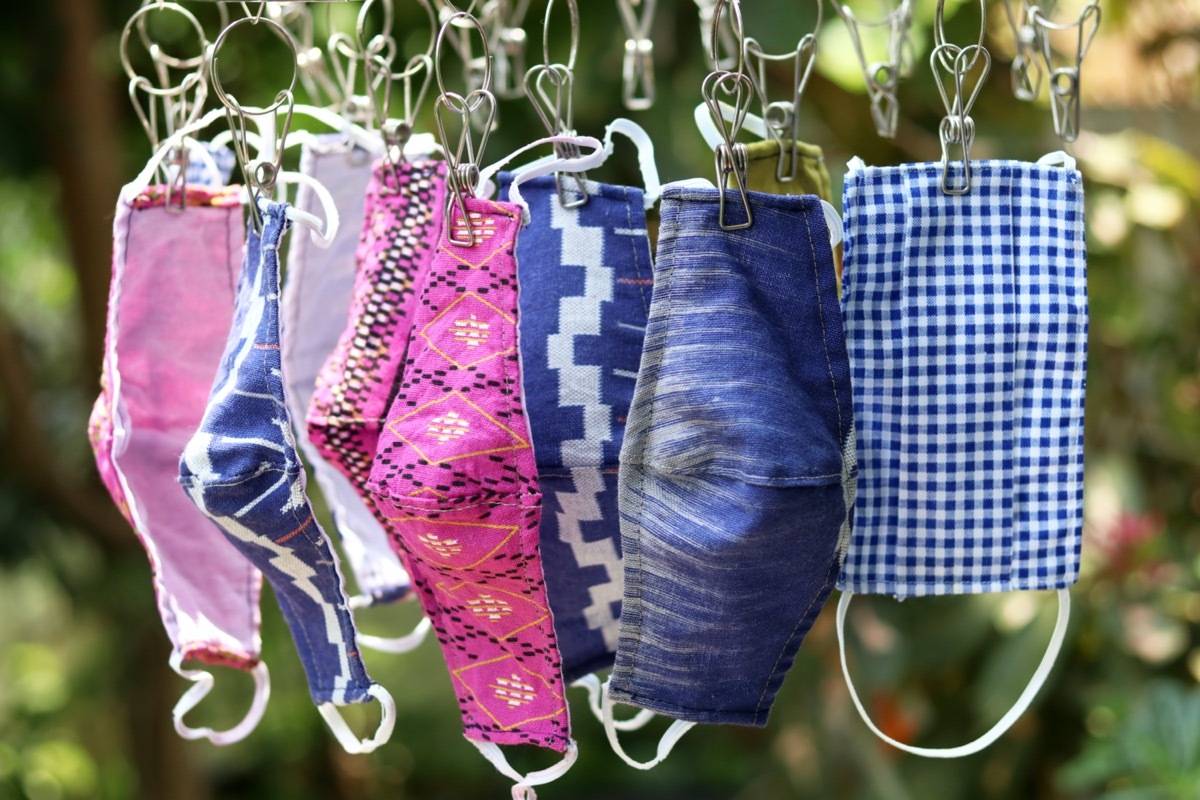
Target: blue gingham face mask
pixel 966 322
pixel 737 462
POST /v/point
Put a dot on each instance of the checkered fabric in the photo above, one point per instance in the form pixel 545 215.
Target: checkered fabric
pixel 966 320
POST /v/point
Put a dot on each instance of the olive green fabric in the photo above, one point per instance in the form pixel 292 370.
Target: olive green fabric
pixel 811 175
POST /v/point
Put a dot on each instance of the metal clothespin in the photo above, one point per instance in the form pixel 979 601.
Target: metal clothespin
pixel 782 117
pixel 1027 70
pixel 262 171
pixel 957 129
pixel 315 74
pixel 1064 81
pixel 550 88
pixel 730 157
pixel 462 160
pixel 510 45
pixel 181 102
pixel 637 66
pixel 729 41
pixel 883 77
pixel 379 54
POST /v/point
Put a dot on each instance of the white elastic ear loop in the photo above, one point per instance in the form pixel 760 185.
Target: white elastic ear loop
pixel 833 221
pixel 523 788
pixel 583 163
pixel 547 166
pixel 1059 158
pixel 592 684
pixel 399 644
pixel 346 738
pixel 645 151
pixel 997 730
pixel 667 743
pixel 752 123
pixel 323 232
pixel 139 183
pixel 203 684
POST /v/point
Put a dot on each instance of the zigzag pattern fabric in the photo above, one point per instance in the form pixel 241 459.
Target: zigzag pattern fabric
pixel 169 310
pixel 403 217
pixel 242 470
pixel 586 274
pixel 456 478
pixel 966 318
pixel 320 282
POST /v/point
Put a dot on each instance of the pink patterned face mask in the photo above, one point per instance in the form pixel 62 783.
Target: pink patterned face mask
pixel 456 479
pixel 403 217
pixel 170 309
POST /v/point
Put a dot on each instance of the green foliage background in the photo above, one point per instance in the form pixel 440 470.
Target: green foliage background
pixel 85 691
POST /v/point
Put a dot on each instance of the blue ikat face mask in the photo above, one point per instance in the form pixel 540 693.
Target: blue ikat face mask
pixel 966 321
pixel 585 273
pixel 737 462
pixel 242 471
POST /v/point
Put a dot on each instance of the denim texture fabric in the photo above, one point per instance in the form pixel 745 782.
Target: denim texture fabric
pixel 737 466
pixel 585 275
pixel 242 470
pixel 966 318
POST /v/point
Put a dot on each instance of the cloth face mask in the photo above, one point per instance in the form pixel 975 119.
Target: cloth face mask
pixel 966 318
pixel 767 158
pixel 456 477
pixel 170 308
pixel 242 470
pixel 320 282
pixel 586 275
pixel 737 462
pixel 402 220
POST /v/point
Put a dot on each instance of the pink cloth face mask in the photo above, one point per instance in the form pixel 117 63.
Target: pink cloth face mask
pixel 402 219
pixel 170 309
pixel 456 478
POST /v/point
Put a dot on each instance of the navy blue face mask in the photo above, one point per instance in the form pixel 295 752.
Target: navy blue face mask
pixel 738 462
pixel 585 274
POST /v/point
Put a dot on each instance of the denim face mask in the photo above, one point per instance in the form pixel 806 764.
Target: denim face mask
pixel 170 308
pixel 737 461
pixel 316 297
pixel 402 218
pixel 586 275
pixel 966 319
pixel 242 470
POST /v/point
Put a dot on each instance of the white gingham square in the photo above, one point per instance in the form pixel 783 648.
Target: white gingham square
pixel 966 321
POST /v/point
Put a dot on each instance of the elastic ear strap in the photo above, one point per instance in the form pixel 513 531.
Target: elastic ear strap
pixel 139 184
pixel 1059 158
pixel 323 232
pixel 523 784
pixel 346 738
pixel 592 684
pixel 997 730
pixel 833 221
pixel 399 644
pixel 549 164
pixel 668 741
pixel 581 164
pixel 708 129
pixel 203 684
pixel 645 150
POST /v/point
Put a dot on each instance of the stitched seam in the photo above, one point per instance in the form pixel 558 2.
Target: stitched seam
pixel 824 334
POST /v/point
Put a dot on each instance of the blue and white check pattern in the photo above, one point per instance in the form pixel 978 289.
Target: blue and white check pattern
pixel 966 321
